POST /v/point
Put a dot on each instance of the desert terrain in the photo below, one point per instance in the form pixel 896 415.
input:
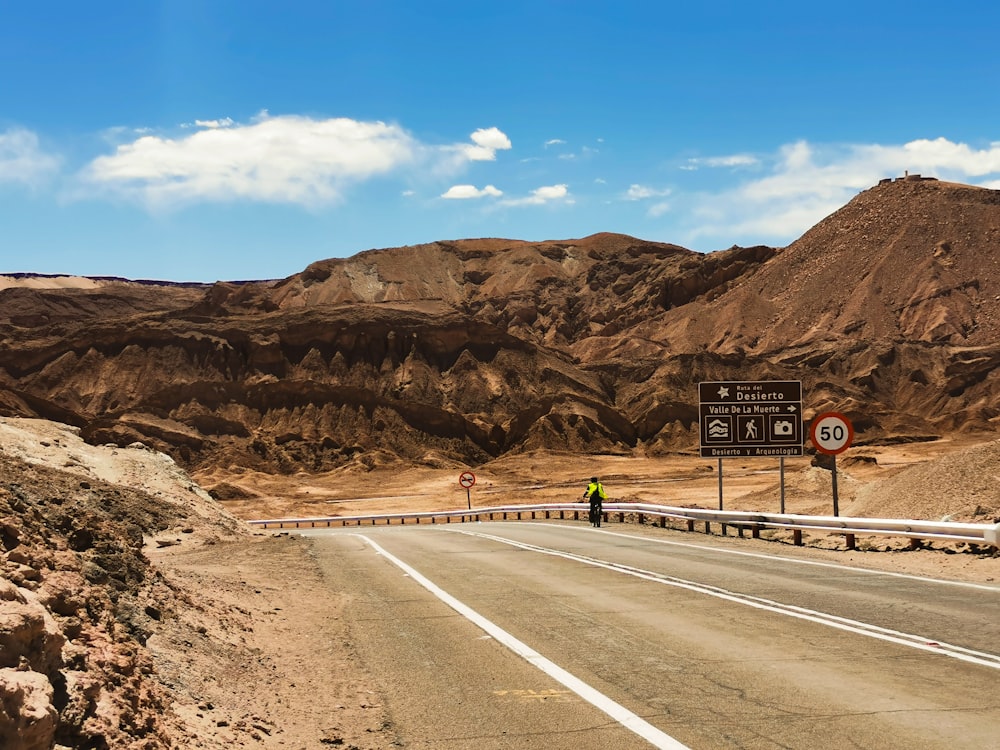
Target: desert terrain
pixel 174 653
pixel 142 424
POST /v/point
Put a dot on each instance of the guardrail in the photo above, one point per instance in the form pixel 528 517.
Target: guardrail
pixel 917 531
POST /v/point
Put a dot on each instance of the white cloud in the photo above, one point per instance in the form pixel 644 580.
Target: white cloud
pixel 22 159
pixel 225 122
pixel 488 141
pixel 642 192
pixel 283 159
pixel 734 160
pixel 470 191
pixel 542 195
pixel 658 209
pixel 645 193
pixel 552 192
pixel 938 155
pixel 555 142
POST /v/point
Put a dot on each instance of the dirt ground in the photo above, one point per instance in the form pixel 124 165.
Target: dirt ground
pixel 270 663
pixel 283 625
pixel 260 655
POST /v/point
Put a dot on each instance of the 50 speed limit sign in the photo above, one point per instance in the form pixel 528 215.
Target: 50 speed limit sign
pixel 831 433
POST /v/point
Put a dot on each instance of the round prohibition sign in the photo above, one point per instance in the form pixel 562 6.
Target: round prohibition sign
pixel 467 479
pixel 831 433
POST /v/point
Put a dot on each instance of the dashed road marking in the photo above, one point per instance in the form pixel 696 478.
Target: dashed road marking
pixel 919 642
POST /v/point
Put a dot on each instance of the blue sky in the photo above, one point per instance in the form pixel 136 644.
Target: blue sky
pixel 242 139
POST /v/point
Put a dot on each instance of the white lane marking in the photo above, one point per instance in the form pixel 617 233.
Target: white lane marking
pixel 771 558
pixel 615 710
pixel 841 623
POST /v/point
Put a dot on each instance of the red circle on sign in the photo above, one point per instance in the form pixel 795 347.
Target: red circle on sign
pixel 831 433
pixel 467 479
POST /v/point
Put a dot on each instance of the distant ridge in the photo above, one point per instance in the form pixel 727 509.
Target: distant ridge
pixel 464 350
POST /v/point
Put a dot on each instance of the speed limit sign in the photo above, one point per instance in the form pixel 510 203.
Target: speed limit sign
pixel 831 433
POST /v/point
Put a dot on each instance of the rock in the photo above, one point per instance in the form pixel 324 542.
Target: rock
pixel 27 717
pixel 28 632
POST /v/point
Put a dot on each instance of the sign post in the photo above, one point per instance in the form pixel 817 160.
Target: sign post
pixel 467 479
pixel 753 419
pixel 781 483
pixel 832 433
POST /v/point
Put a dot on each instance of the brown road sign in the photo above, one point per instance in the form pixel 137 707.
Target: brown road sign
pixel 747 419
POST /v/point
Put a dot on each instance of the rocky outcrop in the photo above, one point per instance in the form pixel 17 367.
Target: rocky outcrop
pixel 77 602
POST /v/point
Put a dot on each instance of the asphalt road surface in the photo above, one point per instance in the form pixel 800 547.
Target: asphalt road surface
pixel 558 635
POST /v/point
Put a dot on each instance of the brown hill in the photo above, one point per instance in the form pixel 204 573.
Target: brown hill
pixel 459 352
pixel 888 309
pixel 911 260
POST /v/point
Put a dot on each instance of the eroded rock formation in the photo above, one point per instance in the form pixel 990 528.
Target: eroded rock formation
pixel 886 310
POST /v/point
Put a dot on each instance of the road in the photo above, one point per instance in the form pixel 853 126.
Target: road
pixel 558 635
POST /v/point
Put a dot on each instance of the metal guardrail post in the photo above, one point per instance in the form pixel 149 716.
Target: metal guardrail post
pixel 992 535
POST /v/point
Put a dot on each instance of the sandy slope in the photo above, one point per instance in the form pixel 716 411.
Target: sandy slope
pixel 49 282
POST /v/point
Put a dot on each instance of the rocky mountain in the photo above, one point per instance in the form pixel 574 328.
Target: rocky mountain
pixel 462 351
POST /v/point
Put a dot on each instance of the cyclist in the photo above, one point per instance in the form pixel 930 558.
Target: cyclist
pixel 596 494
